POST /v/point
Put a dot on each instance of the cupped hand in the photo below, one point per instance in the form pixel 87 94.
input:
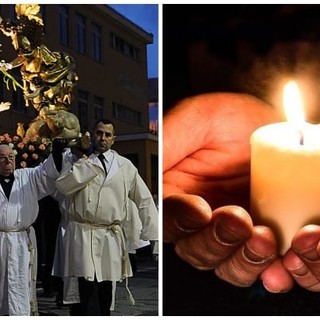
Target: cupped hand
pixel 206 146
pixel 303 258
pixel 206 178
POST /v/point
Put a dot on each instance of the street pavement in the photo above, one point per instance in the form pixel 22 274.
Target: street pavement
pixel 143 286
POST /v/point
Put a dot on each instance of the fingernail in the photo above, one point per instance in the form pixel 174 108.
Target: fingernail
pixel 183 229
pixel 271 290
pixel 254 257
pixel 229 231
pixel 310 253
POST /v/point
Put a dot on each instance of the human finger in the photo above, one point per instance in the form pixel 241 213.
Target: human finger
pixel 206 248
pixel 300 271
pixel 184 214
pixel 303 261
pixel 257 253
pixel 276 278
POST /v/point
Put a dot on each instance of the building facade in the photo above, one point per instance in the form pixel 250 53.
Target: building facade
pixel 110 53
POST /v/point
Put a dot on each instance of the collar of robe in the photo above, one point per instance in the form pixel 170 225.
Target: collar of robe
pixel 7 179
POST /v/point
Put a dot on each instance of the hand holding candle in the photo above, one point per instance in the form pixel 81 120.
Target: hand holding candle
pixel 285 172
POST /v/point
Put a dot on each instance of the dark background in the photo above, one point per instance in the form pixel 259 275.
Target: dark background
pixel 243 48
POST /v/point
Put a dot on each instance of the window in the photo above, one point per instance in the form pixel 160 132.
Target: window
pixel 2 87
pixel 81 33
pixel 154 173
pixel 13 12
pixel 83 109
pixel 124 47
pixel 98 108
pixel 96 42
pixel 153 118
pixel 134 158
pixel 124 113
pixel 18 102
pixel 63 24
pixel 43 14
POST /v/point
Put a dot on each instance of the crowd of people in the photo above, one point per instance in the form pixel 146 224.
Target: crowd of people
pixel 95 190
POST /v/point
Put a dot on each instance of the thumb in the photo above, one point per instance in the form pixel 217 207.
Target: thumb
pixel 184 214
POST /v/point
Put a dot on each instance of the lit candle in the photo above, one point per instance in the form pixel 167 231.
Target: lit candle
pixel 285 172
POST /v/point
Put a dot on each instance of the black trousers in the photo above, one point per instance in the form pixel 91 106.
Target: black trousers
pixel 95 297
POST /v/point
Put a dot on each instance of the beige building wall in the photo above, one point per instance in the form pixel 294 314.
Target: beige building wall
pixel 117 79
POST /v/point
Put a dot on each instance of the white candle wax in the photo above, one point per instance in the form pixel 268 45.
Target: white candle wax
pixel 285 179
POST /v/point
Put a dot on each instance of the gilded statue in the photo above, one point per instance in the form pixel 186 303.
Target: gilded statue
pixel 48 77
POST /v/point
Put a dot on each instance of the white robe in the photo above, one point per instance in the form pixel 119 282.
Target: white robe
pixel 18 267
pixel 99 221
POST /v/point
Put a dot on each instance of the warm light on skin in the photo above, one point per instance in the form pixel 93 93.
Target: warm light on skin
pixel 292 103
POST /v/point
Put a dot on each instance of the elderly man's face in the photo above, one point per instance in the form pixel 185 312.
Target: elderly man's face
pixel 7 160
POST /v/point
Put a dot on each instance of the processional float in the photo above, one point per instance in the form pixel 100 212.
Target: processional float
pixel 48 79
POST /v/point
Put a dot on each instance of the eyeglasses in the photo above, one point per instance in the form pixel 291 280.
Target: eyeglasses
pixel 9 157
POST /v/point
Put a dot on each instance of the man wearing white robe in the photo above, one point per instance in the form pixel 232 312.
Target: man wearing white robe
pixel 20 191
pixel 99 219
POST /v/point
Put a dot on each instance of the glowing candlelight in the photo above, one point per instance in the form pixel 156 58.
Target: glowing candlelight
pixel 285 172
pixel 293 108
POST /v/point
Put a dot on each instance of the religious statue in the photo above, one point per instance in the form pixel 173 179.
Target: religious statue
pixel 48 77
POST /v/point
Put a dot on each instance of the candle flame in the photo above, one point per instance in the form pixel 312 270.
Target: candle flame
pixel 293 103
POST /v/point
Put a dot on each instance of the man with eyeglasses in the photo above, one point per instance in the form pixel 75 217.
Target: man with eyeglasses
pixel 6 179
pixel 20 191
